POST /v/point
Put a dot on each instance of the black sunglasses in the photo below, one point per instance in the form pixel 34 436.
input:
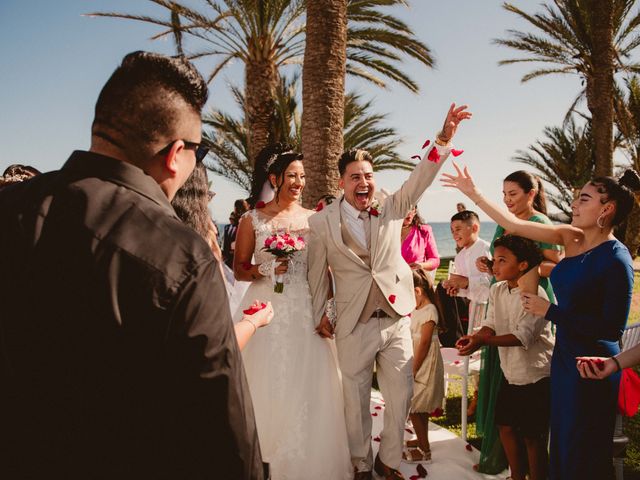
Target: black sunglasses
pixel 200 149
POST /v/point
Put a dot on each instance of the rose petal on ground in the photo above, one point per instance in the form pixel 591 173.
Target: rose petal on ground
pixel 456 153
pixel 426 143
pixel 469 447
pixel 392 299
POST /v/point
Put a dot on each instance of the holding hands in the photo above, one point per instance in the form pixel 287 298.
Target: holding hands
pixel 468 344
pixel 259 314
pixel 455 283
pixel 596 368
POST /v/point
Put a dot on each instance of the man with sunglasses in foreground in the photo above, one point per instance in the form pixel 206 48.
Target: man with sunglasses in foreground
pixel 118 357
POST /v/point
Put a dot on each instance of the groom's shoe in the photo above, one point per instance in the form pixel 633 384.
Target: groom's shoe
pixel 386 472
pixel 362 476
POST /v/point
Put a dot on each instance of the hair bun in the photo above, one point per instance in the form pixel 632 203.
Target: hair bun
pixel 630 179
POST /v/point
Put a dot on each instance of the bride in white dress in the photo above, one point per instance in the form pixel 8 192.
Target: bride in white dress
pixel 292 372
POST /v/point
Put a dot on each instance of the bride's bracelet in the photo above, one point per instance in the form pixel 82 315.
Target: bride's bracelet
pixel 267 268
pixel 255 327
pixel 331 311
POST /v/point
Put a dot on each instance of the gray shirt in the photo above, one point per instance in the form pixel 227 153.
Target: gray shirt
pixel 532 361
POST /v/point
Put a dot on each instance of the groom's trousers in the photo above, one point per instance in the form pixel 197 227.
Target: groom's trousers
pixel 387 343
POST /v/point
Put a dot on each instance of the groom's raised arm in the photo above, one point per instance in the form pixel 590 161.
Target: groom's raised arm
pixel 425 172
pixel 318 267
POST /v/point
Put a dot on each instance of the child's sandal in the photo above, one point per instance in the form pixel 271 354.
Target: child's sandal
pixel 416 455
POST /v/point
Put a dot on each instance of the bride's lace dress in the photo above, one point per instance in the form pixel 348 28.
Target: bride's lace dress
pixel 292 372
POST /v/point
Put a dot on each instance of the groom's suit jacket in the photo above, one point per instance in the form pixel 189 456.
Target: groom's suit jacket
pixel 352 275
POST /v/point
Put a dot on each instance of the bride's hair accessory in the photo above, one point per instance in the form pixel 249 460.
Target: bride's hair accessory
pixel 290 155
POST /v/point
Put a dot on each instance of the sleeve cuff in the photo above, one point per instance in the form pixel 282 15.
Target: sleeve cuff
pixel 554 314
pixel 524 341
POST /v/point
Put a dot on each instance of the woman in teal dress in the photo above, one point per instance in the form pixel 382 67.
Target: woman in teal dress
pixel 524 197
pixel 594 287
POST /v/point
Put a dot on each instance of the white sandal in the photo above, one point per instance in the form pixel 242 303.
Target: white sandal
pixel 409 455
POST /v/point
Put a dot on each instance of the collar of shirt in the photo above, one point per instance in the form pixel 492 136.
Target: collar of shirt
pixel 89 164
pixel 348 209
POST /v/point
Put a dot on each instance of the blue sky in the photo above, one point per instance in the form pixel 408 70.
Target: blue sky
pixel 55 61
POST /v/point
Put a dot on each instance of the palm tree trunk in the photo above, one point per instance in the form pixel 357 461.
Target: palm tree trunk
pixel 600 85
pixel 323 77
pixel 261 79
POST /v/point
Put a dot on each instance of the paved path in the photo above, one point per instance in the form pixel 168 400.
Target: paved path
pixel 451 459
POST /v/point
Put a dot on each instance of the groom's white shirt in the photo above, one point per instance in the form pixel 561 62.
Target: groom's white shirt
pixel 354 223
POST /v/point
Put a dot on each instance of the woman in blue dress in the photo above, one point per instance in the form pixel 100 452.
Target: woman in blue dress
pixel 593 286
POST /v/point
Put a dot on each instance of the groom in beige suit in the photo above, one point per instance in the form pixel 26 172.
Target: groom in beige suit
pixel 360 242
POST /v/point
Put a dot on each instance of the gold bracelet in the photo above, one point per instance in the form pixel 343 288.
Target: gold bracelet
pixel 255 328
pixel 441 142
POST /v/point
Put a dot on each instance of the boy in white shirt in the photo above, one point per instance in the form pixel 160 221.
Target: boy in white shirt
pixel 525 345
pixel 466 280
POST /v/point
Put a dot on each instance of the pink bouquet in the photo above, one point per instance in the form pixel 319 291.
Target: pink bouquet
pixel 282 246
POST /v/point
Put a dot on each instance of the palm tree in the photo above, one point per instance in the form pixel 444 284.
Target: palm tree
pixel 574 39
pixel 363 129
pixel 628 124
pixel 227 135
pixel 323 77
pixel 264 35
pixel 376 42
pixel 268 34
pixel 565 159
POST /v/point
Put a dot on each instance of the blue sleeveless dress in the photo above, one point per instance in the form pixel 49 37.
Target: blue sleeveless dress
pixel 593 291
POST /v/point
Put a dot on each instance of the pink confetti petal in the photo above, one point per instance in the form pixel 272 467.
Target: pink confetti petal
pixel 426 143
pixel 456 153
pixel 434 156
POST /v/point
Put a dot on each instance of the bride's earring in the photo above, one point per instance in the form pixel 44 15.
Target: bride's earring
pixel 600 221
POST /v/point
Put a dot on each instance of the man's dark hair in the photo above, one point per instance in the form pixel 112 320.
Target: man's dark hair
pixel 466 216
pixel 524 249
pixel 143 98
pixel 353 155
